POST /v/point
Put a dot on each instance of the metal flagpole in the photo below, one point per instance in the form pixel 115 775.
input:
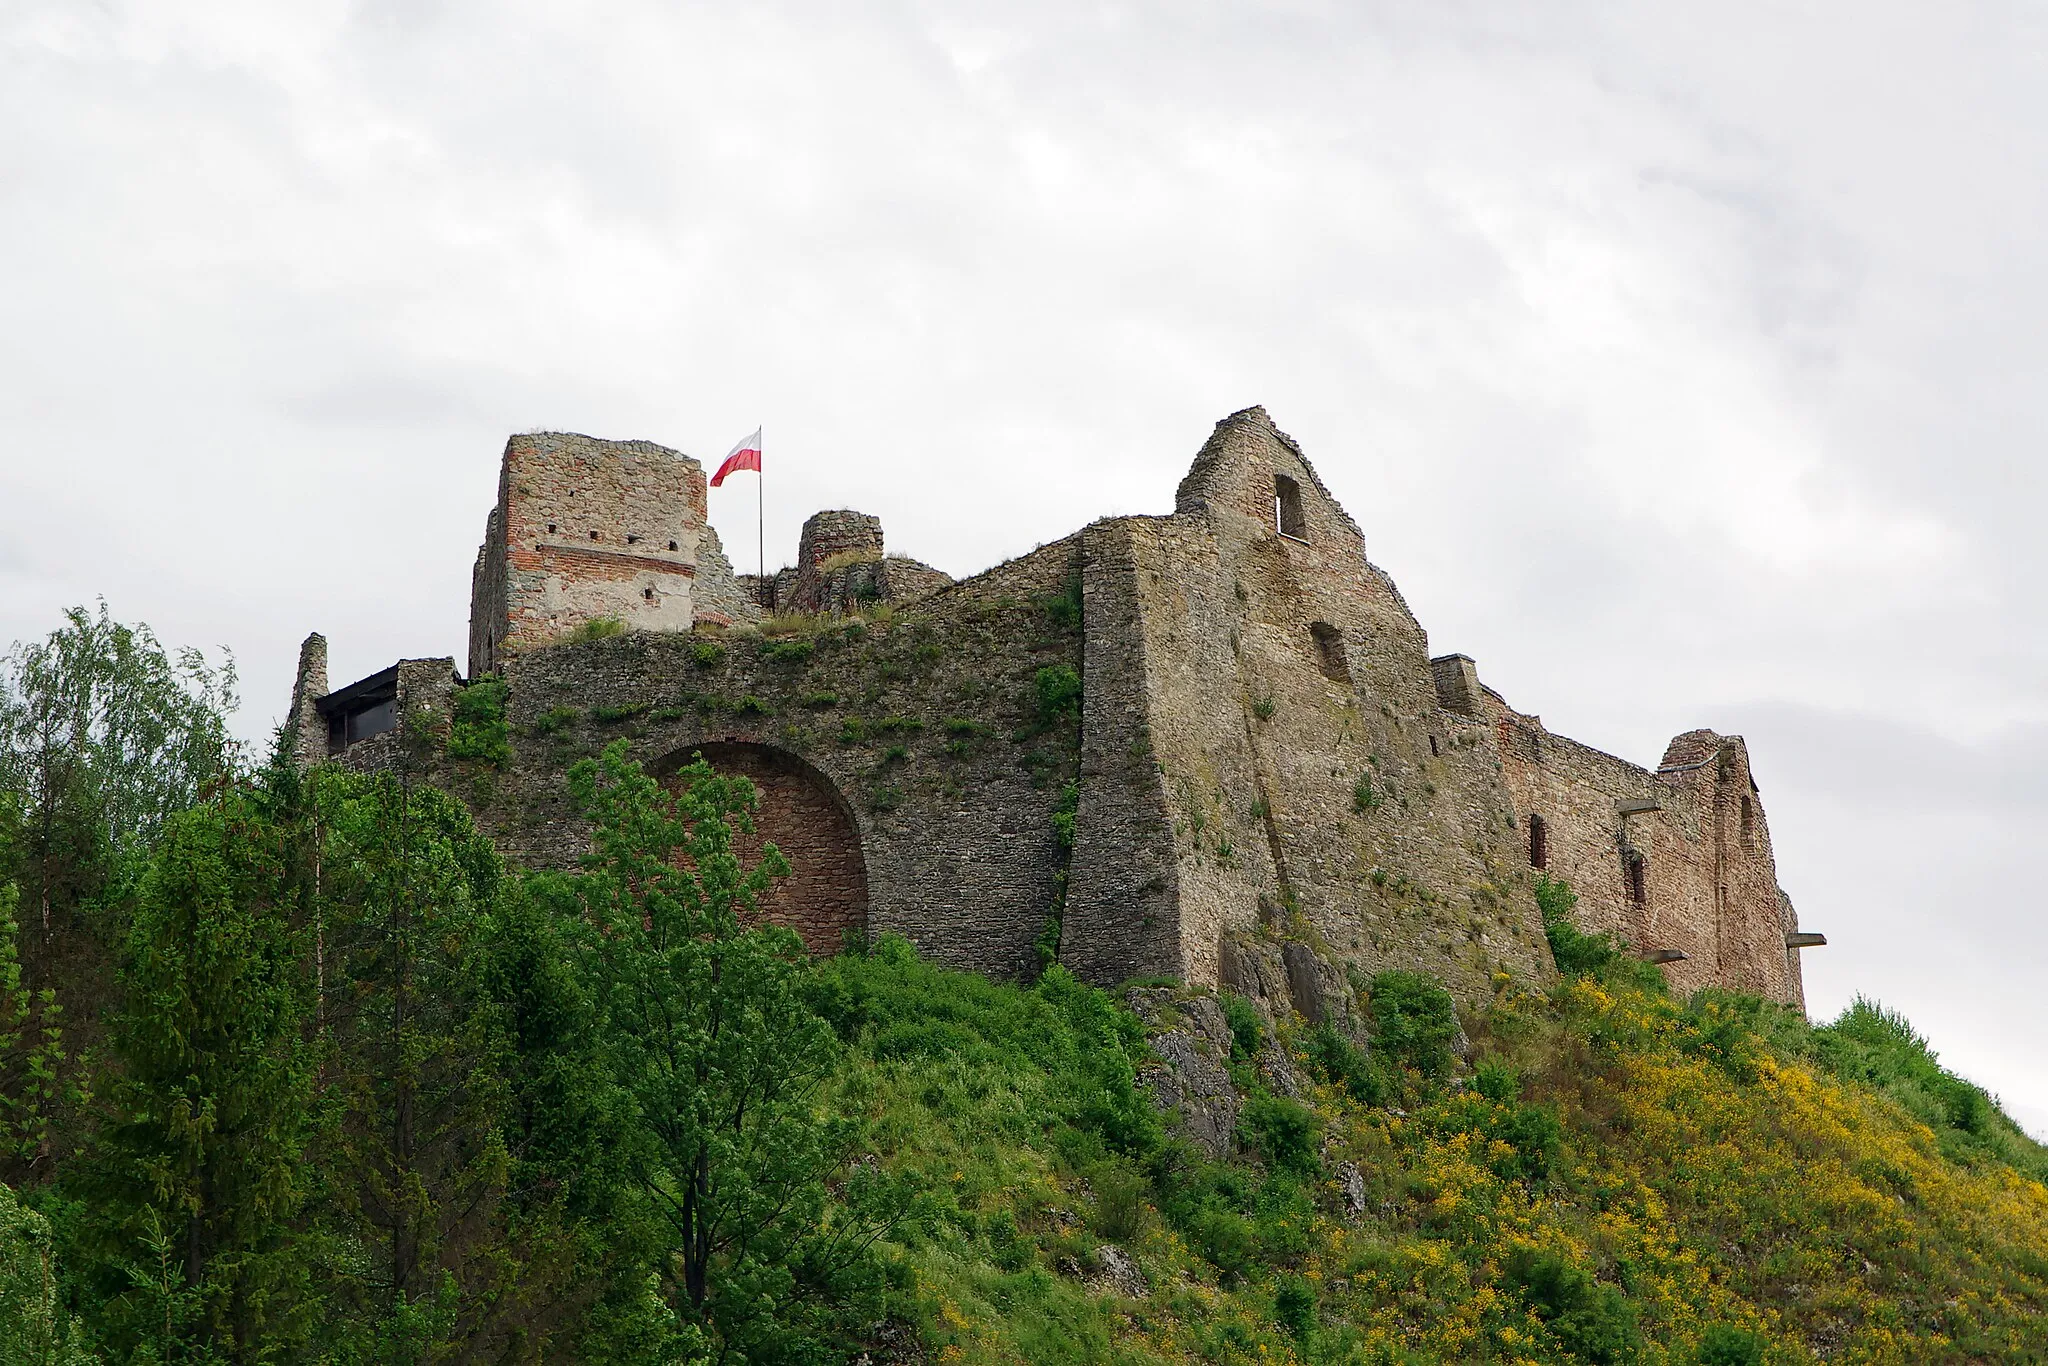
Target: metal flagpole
pixel 761 514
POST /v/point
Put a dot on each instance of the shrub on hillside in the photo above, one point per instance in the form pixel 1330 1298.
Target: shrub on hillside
pixel 1283 1131
pixel 1340 1062
pixel 1593 1322
pixel 1725 1345
pixel 1878 1047
pixel 1414 1021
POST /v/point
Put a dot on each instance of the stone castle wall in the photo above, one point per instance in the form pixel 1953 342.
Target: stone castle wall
pixel 1275 779
pixel 920 744
pixel 1705 883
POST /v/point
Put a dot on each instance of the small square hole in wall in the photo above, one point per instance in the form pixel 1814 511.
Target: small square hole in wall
pixel 671 545
pixel 551 527
pixel 632 540
pixel 593 535
pixel 647 593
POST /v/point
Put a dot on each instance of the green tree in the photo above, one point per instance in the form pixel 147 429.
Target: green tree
pixel 569 1190
pixel 707 1031
pixel 104 735
pixel 193 1188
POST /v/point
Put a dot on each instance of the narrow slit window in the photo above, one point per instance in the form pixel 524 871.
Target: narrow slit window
pixel 1330 654
pixel 1748 819
pixel 1636 872
pixel 1287 508
pixel 1539 843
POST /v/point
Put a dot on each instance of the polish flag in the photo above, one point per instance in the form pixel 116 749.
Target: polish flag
pixel 745 456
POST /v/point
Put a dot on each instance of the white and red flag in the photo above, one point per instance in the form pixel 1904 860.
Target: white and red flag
pixel 745 456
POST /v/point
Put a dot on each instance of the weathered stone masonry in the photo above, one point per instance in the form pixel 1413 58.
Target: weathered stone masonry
pixel 1274 776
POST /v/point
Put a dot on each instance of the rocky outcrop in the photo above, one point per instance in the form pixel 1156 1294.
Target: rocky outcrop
pixel 1117 1274
pixel 1191 1041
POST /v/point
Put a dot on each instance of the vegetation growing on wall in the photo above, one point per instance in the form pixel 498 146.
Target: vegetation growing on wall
pixel 1059 692
pixel 478 730
pixel 597 628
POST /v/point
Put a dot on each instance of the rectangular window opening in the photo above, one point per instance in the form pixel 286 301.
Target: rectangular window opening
pixel 1539 843
pixel 1287 508
pixel 1635 868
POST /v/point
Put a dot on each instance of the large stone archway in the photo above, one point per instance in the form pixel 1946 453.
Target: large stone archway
pixel 826 893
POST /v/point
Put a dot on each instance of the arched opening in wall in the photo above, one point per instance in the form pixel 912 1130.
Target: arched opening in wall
pixel 1539 843
pixel 1287 508
pixel 826 893
pixel 1635 872
pixel 1330 655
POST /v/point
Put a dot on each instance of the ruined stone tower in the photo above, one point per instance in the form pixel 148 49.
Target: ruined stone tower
pixel 586 530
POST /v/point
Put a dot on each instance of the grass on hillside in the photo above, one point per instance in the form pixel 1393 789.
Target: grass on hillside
pixel 1615 1177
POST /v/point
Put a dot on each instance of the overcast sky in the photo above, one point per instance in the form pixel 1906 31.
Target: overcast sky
pixel 1683 363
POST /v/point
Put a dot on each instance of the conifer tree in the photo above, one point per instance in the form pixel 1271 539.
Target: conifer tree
pixel 31 1053
pixel 194 1187
pixel 415 1078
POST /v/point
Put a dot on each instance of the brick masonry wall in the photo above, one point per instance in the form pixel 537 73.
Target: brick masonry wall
pixel 1123 899
pixel 426 692
pixel 488 584
pixel 825 897
pixel 716 595
pixel 855 536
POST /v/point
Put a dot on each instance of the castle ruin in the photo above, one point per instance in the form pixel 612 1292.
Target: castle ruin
pixel 1258 775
